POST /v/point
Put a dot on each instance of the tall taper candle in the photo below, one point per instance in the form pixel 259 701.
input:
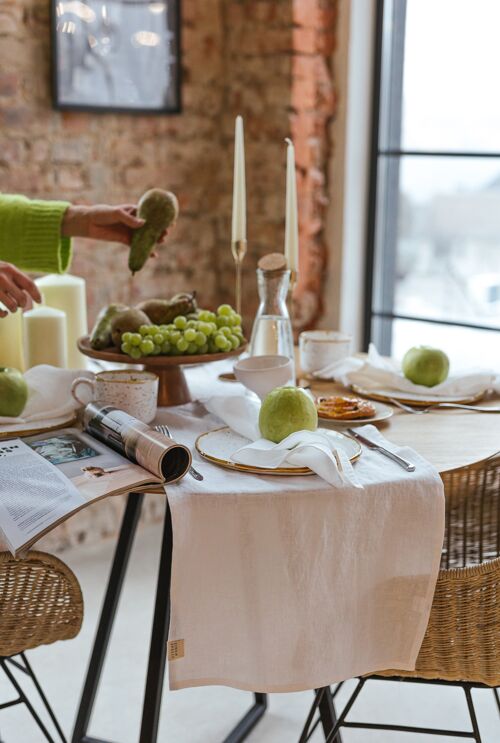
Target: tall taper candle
pixel 67 293
pixel 239 225
pixel 292 218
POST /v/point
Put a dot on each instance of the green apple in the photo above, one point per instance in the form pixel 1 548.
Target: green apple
pixel 425 365
pixel 286 410
pixel 13 392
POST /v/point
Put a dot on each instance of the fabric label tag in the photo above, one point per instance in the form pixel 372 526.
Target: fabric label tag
pixel 175 649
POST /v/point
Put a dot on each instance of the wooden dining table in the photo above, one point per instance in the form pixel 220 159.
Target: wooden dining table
pixel 447 438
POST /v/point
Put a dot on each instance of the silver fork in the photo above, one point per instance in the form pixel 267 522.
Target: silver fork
pixel 164 429
pixel 428 408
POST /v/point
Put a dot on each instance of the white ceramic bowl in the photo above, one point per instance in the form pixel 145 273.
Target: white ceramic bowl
pixel 319 348
pixel 261 374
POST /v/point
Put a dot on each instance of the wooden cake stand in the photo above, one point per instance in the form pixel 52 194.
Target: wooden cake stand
pixel 172 388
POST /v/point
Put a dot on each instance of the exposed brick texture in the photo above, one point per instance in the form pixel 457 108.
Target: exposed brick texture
pixel 266 59
pixel 269 60
pixel 313 105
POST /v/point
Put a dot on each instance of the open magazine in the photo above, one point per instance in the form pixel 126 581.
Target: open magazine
pixel 47 477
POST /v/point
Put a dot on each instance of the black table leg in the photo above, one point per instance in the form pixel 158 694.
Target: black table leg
pixel 159 635
pixel 108 611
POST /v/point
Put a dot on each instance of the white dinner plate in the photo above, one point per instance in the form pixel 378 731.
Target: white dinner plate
pixel 411 398
pixel 382 412
pixel 219 445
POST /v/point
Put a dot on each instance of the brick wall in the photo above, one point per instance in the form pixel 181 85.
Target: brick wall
pixel 313 105
pixel 266 59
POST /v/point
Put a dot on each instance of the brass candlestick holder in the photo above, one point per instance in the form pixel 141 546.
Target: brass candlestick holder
pixel 293 282
pixel 238 249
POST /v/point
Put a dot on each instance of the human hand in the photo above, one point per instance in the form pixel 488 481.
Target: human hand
pixel 102 222
pixel 16 289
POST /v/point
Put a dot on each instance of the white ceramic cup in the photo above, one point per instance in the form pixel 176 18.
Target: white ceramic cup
pixel 261 374
pixel 135 392
pixel 320 348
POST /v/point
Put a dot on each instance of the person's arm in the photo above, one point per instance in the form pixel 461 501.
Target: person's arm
pixel 101 222
pixel 30 234
pixel 36 235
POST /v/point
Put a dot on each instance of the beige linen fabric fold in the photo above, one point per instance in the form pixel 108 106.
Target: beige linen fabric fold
pixel 282 584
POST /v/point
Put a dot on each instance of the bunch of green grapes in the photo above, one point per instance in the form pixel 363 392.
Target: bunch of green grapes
pixel 198 333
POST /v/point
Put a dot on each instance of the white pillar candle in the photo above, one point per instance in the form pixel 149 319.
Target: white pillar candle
pixel 67 293
pixel 11 340
pixel 292 217
pixel 45 334
pixel 239 225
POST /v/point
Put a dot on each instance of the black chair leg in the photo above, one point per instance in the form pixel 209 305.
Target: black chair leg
pixel 23 699
pixel 495 692
pixel 472 713
pixel 42 696
pixel 327 714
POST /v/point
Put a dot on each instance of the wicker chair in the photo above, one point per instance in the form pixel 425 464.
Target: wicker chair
pixel 461 646
pixel 40 603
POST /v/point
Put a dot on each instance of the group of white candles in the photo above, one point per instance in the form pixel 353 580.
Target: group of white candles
pixel 48 333
pixel 239 223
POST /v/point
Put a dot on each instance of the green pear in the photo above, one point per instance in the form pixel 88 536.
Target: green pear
pixel 159 209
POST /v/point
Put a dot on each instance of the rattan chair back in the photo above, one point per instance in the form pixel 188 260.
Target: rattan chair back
pixel 462 641
pixel 40 602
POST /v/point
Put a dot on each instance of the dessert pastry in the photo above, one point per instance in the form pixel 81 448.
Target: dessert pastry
pixel 342 408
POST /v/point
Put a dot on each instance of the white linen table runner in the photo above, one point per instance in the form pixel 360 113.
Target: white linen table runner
pixel 287 583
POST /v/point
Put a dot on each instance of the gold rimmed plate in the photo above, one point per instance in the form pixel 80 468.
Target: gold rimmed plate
pixel 407 398
pixel 17 430
pixel 219 445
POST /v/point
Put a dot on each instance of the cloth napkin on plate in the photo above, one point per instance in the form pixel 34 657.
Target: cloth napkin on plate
pixel 313 449
pixel 379 374
pixel 50 396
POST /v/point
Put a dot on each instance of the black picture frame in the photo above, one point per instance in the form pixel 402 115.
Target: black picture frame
pixel 140 36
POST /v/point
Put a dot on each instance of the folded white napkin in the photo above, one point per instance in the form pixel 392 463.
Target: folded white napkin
pixel 379 374
pixel 313 449
pixel 49 395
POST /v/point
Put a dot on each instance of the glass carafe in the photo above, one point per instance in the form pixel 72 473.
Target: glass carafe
pixel 272 328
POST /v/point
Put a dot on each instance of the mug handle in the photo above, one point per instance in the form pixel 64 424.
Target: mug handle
pixel 82 380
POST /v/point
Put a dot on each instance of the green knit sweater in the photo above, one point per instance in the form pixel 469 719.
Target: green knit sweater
pixel 30 234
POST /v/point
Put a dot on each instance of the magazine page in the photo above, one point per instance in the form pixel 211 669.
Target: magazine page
pixel 158 454
pixel 92 468
pixel 46 477
pixel 33 494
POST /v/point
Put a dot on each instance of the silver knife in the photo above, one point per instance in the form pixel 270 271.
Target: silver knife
pixel 408 466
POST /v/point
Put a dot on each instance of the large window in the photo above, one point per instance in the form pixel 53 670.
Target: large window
pixel 434 221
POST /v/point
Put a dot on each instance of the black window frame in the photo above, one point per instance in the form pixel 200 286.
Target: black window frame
pixel 389 54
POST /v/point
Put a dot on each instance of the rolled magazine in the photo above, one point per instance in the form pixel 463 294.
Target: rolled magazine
pixel 137 441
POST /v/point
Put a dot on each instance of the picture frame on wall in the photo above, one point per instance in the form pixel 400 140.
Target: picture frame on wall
pixel 116 56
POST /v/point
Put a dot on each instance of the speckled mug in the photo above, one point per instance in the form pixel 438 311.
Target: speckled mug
pixel 135 392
